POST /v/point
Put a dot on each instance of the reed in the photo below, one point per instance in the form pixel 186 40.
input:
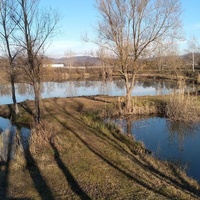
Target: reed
pixel 183 107
pixel 140 106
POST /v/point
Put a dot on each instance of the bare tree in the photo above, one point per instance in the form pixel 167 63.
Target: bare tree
pixel 9 48
pixel 193 51
pixel 129 29
pixel 35 28
pixel 70 59
pixel 174 61
pixel 106 62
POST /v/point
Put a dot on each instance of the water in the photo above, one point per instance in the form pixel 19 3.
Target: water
pixel 11 138
pixel 176 142
pixel 85 88
pixel 167 141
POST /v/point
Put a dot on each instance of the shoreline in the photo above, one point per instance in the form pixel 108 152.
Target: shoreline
pixel 97 156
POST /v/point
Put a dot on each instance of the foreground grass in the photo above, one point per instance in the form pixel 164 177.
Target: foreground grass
pixel 82 158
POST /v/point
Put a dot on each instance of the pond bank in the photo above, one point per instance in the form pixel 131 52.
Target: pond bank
pixel 86 159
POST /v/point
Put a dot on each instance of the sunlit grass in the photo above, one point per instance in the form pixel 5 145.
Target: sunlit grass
pixel 75 147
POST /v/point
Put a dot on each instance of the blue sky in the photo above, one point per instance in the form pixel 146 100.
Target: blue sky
pixel 191 18
pixel 79 17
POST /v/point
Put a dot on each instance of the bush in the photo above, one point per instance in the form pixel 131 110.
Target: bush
pixel 183 107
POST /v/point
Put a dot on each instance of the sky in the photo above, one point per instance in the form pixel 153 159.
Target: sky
pixel 78 17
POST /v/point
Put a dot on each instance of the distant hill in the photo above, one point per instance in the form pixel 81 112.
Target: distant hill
pixel 77 61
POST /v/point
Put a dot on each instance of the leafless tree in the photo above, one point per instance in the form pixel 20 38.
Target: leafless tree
pixel 35 28
pixel 70 59
pixel 130 29
pixel 106 63
pixel 193 51
pixel 8 47
pixel 174 61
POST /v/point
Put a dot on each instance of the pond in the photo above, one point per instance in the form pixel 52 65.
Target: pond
pixel 86 88
pixel 175 142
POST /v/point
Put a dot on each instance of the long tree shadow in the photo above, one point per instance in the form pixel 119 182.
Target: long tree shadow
pixel 34 171
pixel 3 179
pixel 26 108
pixel 6 156
pixel 183 184
pixel 131 175
pixel 5 163
pixel 112 163
pixel 75 187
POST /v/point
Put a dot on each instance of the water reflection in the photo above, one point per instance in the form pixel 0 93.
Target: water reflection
pixel 181 130
pixel 10 139
pixel 177 142
pixel 86 88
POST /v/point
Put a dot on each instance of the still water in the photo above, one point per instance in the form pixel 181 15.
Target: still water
pixel 85 88
pixel 175 142
pixel 11 138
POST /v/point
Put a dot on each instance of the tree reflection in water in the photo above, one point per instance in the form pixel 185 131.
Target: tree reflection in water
pixel 87 87
pixel 11 138
pixel 181 131
pixel 173 141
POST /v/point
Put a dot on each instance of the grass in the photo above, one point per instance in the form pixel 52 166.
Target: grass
pixel 84 158
pixel 183 108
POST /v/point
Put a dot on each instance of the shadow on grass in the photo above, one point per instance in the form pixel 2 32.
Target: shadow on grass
pixel 34 171
pixel 75 187
pixel 183 185
pixel 112 163
pixel 26 108
pixel 9 142
pixel 5 164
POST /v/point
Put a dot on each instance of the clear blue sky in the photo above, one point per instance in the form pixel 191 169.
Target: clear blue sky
pixel 79 16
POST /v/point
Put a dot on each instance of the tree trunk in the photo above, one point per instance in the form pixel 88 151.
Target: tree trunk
pixel 128 100
pixel 193 62
pixel 129 88
pixel 16 109
pixel 37 101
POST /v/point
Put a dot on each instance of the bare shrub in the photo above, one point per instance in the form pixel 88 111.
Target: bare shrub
pixel 138 106
pixel 182 107
pixel 41 134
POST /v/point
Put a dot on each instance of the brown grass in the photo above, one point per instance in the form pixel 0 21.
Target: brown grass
pixel 87 159
pixel 41 135
pixel 183 108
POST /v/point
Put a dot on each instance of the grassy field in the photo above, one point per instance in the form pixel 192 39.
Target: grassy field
pixel 74 155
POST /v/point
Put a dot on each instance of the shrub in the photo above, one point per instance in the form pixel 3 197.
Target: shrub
pixel 182 107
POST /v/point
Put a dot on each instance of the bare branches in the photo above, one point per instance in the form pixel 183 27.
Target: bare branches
pixel 131 28
pixel 35 27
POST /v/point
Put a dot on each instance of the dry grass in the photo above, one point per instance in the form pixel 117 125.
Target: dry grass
pixel 87 159
pixel 183 108
pixel 41 135
pixel 141 106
